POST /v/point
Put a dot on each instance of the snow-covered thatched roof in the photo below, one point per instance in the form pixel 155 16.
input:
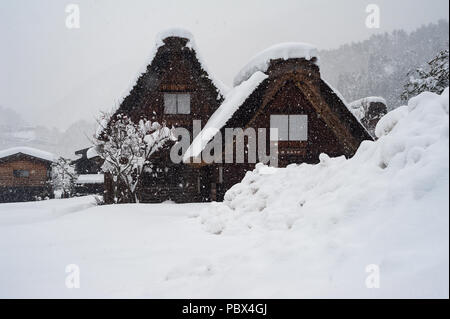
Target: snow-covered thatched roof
pixel 186 34
pixel 30 152
pixel 285 51
pixel 235 98
pixel 160 42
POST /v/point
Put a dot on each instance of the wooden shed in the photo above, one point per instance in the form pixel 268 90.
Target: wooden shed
pixel 25 174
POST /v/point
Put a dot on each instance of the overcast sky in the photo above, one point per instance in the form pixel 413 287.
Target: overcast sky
pixel 55 75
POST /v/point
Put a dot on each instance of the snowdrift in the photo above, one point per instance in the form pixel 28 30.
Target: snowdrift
pixel 388 205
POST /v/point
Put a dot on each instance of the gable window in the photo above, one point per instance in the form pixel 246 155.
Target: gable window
pixel 290 127
pixel 21 173
pixel 177 103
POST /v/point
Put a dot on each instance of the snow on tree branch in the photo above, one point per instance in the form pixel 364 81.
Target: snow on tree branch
pixel 127 148
pixel 433 78
pixel 63 177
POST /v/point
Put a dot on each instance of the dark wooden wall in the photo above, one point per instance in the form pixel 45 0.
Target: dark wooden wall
pixel 38 172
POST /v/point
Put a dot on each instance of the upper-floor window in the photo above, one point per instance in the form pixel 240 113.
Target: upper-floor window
pixel 289 127
pixel 21 173
pixel 177 103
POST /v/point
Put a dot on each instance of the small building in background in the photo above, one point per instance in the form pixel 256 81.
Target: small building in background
pixel 87 184
pixel 25 174
pixel 369 111
pixel 90 178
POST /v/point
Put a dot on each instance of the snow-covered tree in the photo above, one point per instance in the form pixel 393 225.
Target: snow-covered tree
pixel 432 78
pixel 63 177
pixel 126 148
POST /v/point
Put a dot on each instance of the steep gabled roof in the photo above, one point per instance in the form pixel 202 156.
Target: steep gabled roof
pixel 235 98
pixel 169 43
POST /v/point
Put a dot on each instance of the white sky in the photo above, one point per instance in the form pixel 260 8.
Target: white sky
pixel 55 76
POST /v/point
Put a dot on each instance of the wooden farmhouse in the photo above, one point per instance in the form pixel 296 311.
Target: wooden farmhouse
pixel 280 90
pixel 25 174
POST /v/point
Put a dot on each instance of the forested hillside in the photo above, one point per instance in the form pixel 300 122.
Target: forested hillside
pixel 379 66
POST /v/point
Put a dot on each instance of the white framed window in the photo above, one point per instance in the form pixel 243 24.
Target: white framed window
pixel 281 124
pixel 289 127
pixel 177 103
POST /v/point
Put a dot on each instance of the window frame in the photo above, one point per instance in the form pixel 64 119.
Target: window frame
pixel 177 96
pixel 288 129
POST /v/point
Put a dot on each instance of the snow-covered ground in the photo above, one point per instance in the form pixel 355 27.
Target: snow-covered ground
pixel 122 251
pixel 299 232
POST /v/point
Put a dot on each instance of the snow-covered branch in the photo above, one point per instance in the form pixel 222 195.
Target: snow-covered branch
pixel 127 148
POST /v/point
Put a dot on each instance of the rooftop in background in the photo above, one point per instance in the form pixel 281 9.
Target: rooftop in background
pixel 46 156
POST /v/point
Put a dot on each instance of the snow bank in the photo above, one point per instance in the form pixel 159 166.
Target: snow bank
pixel 290 50
pixel 409 159
pixel 29 151
pixel 30 213
pixel 232 102
pixel 388 205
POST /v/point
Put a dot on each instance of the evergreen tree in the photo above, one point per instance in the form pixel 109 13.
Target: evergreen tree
pixel 433 78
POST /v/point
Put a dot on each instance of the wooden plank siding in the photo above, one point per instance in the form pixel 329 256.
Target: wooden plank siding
pixel 14 188
pixel 38 173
